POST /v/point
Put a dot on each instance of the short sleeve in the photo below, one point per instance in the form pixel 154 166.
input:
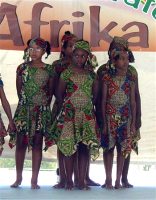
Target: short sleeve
pixel 101 71
pixel 20 69
pixel 132 72
pixel 50 70
pixel 106 78
pixel 1 83
pixel 66 74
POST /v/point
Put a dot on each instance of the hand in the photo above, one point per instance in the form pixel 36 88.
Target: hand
pixel 104 130
pixel 138 123
pixel 133 129
pixel 11 126
pixel 1 149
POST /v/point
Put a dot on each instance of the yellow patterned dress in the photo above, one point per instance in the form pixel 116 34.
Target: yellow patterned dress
pixel 76 122
pixel 33 113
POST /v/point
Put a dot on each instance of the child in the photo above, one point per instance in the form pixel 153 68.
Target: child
pixel 33 115
pixel 122 44
pixel 7 109
pixel 74 131
pixel 60 65
pixel 118 113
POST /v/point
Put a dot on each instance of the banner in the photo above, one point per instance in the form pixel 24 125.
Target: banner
pixel 97 21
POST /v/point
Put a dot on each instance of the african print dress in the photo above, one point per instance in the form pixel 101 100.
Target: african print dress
pixel 118 112
pixel 33 113
pixel 3 131
pixel 59 66
pixel 76 122
pixel 134 76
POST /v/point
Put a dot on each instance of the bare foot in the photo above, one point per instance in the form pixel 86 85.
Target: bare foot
pixel 104 185
pixel 16 184
pixel 126 184
pixel 69 185
pixel 83 186
pixel 108 184
pixel 117 185
pixel 59 185
pixel 90 182
pixel 35 186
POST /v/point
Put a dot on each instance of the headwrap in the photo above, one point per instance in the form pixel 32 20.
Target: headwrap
pixel 67 37
pixel 38 41
pixel 120 41
pixel 84 45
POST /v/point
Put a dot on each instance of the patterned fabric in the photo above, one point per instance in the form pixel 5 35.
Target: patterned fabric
pixel 3 132
pixel 39 42
pixel 134 76
pixel 33 114
pixel 76 121
pixel 59 66
pixel 67 37
pixel 84 45
pixel 121 41
pixel 118 113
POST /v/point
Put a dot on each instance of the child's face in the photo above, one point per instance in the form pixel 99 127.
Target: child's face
pixel 80 57
pixel 69 49
pixel 123 61
pixel 36 52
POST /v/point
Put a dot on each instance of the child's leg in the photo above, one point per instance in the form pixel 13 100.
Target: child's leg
pixel 108 164
pixel 36 159
pixel 83 154
pixel 62 173
pixel 76 171
pixel 124 180
pixel 90 182
pixel 19 156
pixel 69 167
pixel 120 163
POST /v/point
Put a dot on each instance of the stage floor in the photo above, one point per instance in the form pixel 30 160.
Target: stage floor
pixel 143 178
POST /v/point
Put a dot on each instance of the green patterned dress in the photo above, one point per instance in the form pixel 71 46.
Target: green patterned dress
pixel 76 122
pixel 33 113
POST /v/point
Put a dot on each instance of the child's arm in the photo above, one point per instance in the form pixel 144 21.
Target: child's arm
pixel 138 106
pixel 18 84
pixel 103 106
pixel 51 88
pixel 7 109
pixel 133 108
pixel 60 93
pixel 95 91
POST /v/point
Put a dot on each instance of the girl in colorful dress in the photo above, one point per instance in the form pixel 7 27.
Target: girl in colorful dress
pixel 74 130
pixel 7 109
pixel 33 115
pixel 67 43
pixel 118 113
pixel 122 44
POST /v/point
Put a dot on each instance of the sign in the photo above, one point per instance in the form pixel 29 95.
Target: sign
pixel 97 21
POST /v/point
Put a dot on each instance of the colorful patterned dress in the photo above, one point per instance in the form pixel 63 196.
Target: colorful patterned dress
pixel 76 122
pixel 118 112
pixel 59 66
pixel 33 113
pixel 134 76
pixel 3 132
